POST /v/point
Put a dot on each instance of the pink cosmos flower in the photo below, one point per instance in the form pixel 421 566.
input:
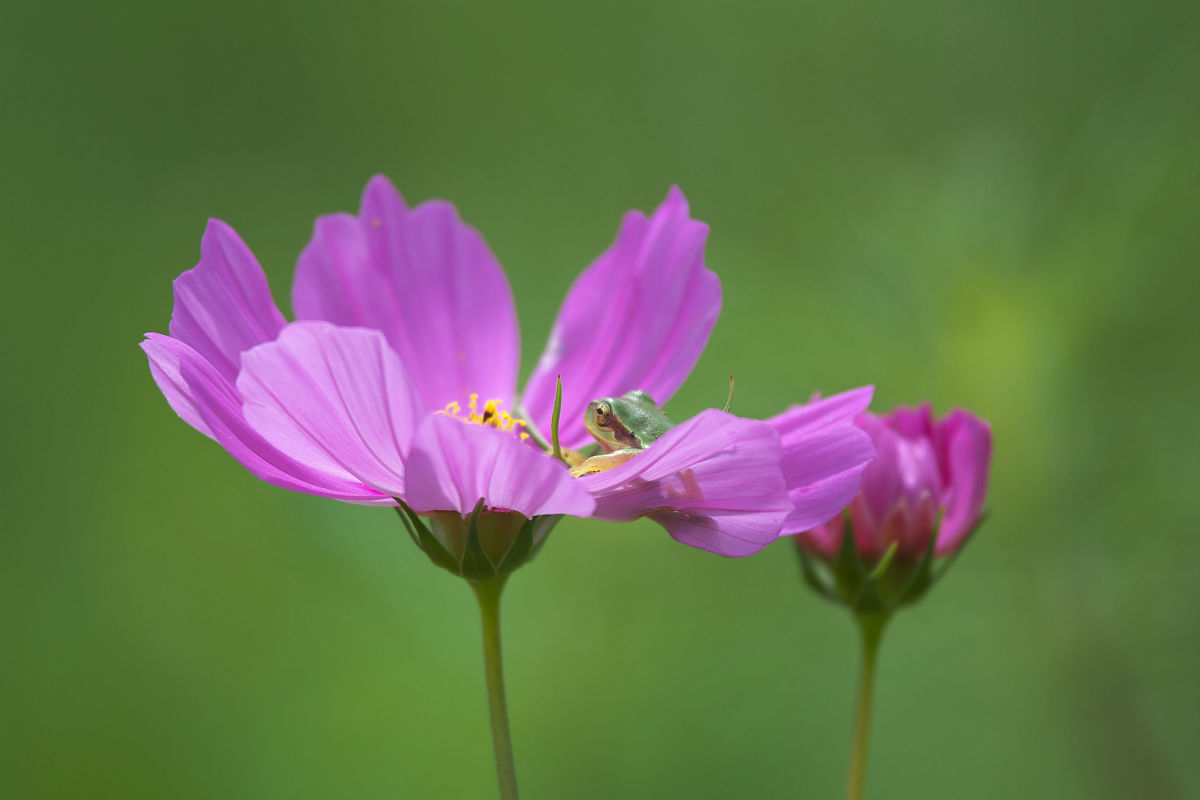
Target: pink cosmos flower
pixel 924 468
pixel 398 379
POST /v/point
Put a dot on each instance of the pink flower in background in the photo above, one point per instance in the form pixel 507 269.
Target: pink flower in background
pixel 407 334
pixel 921 498
pixel 924 468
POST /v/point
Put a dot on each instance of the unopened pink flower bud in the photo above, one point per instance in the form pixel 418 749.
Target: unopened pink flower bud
pixel 925 469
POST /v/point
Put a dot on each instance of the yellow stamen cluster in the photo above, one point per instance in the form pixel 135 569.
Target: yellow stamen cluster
pixel 491 415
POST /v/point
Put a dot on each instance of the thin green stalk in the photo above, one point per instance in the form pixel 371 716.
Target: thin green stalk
pixel 554 417
pixel 488 594
pixel 871 627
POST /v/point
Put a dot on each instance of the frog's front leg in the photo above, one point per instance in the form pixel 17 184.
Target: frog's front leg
pixel 603 462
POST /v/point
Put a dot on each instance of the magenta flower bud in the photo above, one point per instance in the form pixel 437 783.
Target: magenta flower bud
pixel 920 499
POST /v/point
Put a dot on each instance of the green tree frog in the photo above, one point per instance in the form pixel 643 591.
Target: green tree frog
pixel 624 426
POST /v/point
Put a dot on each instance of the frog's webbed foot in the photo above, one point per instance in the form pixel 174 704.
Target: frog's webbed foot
pixel 603 462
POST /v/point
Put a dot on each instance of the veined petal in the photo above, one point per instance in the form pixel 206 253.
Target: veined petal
pixel 713 482
pixel 454 464
pixel 967 443
pixel 824 455
pixel 336 398
pixel 167 356
pixel 223 305
pixel 424 278
pixel 637 318
pixel 206 400
pixel 337 281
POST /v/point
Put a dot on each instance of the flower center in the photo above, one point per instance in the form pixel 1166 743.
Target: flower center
pixel 491 415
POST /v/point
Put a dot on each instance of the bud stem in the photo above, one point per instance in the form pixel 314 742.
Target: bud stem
pixel 488 594
pixel 870 626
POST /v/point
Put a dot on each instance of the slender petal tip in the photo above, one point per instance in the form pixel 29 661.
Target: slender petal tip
pixel 223 305
pixel 637 318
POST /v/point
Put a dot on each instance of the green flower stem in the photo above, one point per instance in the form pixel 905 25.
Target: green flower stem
pixel 488 594
pixel 870 625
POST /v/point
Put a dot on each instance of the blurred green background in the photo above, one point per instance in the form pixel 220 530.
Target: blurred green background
pixel 990 204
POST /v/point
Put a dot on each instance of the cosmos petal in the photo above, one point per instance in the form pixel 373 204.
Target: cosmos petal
pixel 335 398
pixel 967 443
pixel 882 483
pixel 454 464
pixel 712 481
pixel 912 422
pixel 637 318
pixel 167 357
pixel 825 538
pixel 824 455
pixel 205 399
pixel 223 305
pixel 424 278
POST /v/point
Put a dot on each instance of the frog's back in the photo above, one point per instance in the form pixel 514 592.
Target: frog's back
pixel 652 423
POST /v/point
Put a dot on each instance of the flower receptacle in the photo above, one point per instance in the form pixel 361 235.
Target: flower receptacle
pixel 874 586
pixel 480 546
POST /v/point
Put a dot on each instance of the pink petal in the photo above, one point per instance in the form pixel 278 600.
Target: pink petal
pixel 911 422
pixel 637 318
pixel 826 538
pixel 426 280
pixel 454 464
pixel 208 402
pixel 867 525
pixel 881 484
pixel 223 305
pixel 966 442
pixel 337 399
pixel 167 356
pixel 920 478
pixel 713 482
pixel 924 518
pixel 824 455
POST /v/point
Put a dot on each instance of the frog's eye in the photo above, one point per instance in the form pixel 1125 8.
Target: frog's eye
pixel 603 414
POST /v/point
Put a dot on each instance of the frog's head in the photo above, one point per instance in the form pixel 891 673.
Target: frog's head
pixel 629 422
pixel 603 420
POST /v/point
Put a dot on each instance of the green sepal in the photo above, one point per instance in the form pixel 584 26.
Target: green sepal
pixel 855 586
pixel 884 562
pixel 461 545
pixel 476 566
pixel 872 597
pixel 424 539
pixel 808 569
pixel 881 586
pixel 920 580
pixel 848 567
pixel 529 542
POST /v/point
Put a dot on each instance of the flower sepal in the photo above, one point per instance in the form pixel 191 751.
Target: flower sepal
pixel 875 586
pixel 480 546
